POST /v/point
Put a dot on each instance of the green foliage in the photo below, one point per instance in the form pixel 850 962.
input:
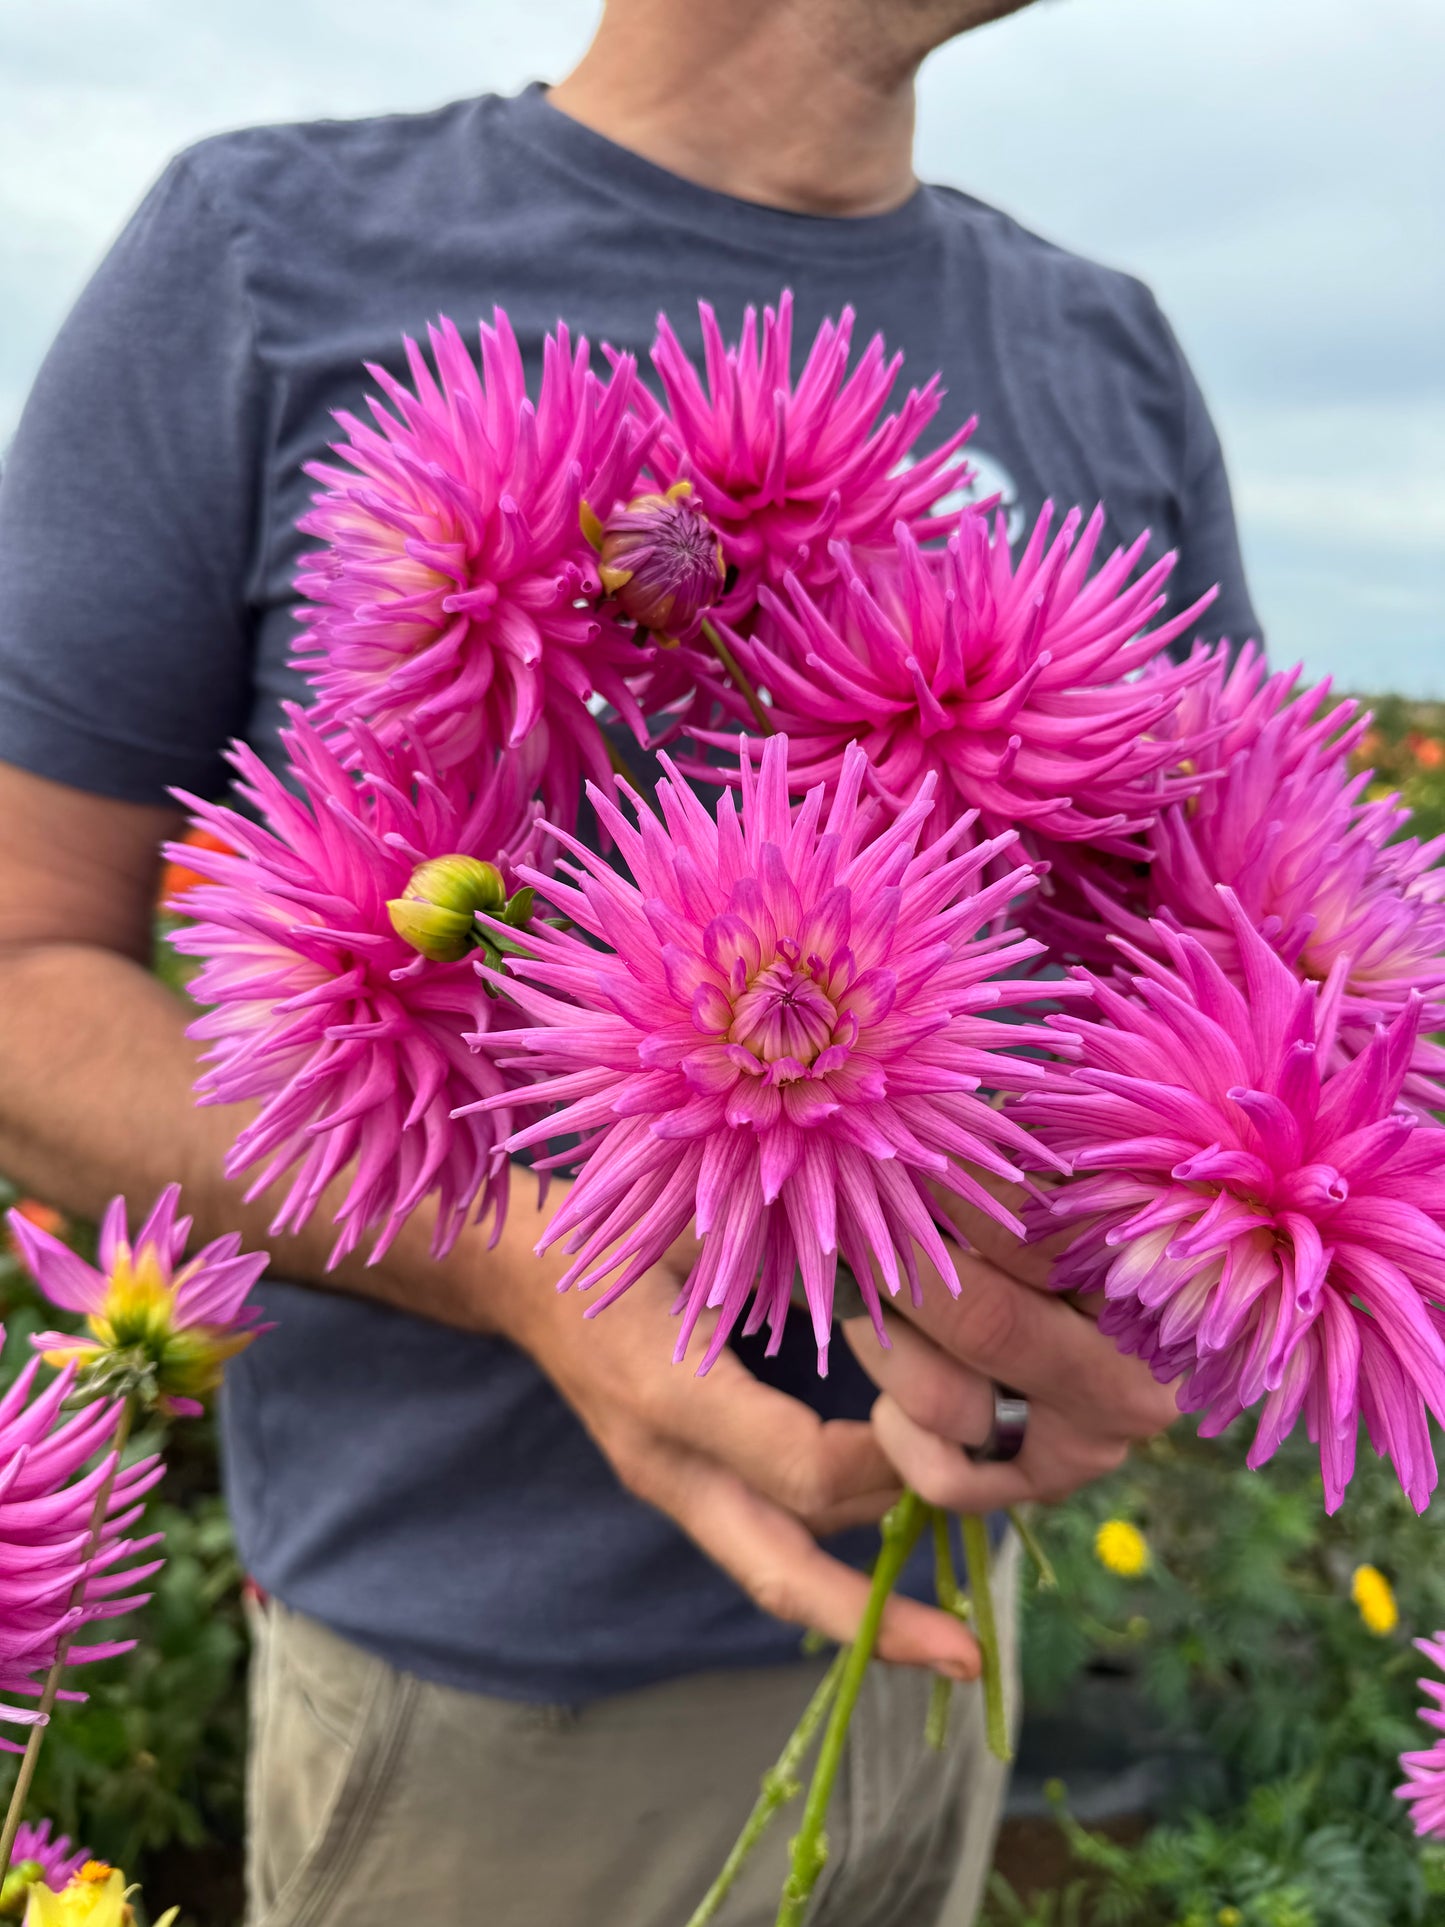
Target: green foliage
pixel 1286 1714
pixel 150 1764
pixel 1406 751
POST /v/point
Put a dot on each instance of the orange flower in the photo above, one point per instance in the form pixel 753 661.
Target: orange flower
pixel 1430 752
pixel 44 1215
pixel 176 879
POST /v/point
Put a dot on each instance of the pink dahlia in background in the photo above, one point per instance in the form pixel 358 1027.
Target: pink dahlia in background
pixel 38 1856
pixel 321 1011
pixel 1010 681
pixel 1264 1228
pixel 782 1040
pixel 455 603
pixel 1424 1786
pixel 1281 821
pixel 782 468
pixel 47 1507
pixel 156 1322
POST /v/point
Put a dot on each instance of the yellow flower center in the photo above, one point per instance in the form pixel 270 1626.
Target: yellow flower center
pixel 137 1322
pixel 1122 1548
pixel 1375 1598
pixel 140 1302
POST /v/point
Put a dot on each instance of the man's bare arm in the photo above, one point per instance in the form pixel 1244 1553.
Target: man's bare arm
pixel 96 1071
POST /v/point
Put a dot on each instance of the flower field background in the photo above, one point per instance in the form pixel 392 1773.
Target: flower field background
pixel 1225 1667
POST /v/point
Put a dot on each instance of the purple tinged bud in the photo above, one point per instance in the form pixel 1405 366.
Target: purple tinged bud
pixel 662 563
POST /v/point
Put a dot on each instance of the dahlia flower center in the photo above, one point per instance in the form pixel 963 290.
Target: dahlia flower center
pixel 784 1013
pixel 140 1302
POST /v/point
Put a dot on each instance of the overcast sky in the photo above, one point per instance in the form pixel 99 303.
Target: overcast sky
pixel 1274 168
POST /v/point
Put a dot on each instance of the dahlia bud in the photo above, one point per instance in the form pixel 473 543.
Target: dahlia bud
pixel 437 915
pixel 661 562
pixel 23 1875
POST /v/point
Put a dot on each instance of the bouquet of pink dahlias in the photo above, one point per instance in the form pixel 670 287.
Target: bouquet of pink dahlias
pixel 778 1024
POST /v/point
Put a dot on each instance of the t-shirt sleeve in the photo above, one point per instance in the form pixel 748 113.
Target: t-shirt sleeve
pixel 1207 537
pixel 128 516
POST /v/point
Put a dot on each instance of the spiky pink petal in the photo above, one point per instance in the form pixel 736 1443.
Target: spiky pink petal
pixel 318 1011
pixel 1264 1228
pixel 1011 681
pixel 1424 1787
pixel 53 1854
pixel 782 468
pixel 780 1040
pixel 456 601
pixel 1316 865
pixel 50 1477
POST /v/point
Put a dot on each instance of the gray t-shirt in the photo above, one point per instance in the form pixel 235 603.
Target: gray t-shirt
pixel 424 1492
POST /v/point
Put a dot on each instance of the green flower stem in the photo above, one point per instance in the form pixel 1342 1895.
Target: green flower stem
pixel 952 1600
pixel 736 677
pixel 780 1784
pixel 985 1626
pixel 1045 1577
pixel 31 1759
pixel 902 1529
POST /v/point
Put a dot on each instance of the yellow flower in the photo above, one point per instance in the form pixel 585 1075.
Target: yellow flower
pixel 1375 1597
pixel 1229 1917
pixel 94 1897
pixel 1122 1548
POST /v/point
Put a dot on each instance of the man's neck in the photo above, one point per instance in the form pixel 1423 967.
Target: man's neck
pixel 750 100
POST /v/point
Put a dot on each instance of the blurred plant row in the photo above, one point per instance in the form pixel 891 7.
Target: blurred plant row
pixel 1405 748
pixel 1261 1659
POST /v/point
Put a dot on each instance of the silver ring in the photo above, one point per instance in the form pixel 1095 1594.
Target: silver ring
pixel 1007 1433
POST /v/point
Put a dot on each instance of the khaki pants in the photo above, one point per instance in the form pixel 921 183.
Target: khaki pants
pixel 381 1800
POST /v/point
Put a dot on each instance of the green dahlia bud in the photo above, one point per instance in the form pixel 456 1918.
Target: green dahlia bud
pixel 15 1894
pixel 437 914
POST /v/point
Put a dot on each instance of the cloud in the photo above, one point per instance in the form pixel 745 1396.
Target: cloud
pixel 1271 169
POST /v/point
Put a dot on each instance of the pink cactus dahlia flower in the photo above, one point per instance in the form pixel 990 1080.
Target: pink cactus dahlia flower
pixel 782 470
pixel 454 604
pixel 47 1503
pixel 1424 1786
pixel 321 1012
pixel 1008 680
pixel 1262 1227
pixel 50 1860
pixel 1281 821
pixel 782 1040
pixel 163 1323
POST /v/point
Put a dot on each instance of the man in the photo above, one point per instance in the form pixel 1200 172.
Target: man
pixel 524 1655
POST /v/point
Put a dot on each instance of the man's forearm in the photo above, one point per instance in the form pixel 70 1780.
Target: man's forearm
pixel 96 1076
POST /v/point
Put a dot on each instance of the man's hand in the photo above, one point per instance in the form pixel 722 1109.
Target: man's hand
pixel 1088 1402
pixel 748 1473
